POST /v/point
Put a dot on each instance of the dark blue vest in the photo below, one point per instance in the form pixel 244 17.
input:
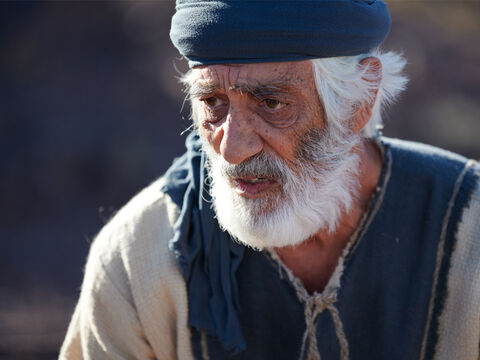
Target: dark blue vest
pixel 393 285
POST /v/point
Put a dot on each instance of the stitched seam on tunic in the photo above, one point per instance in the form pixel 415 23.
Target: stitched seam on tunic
pixel 440 252
pixel 369 216
pixel 204 345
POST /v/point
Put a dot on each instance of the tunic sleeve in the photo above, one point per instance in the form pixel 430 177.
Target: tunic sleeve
pixel 133 302
pixel 459 331
pixel 105 324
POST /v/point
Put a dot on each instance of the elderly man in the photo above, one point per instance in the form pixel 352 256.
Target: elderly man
pixel 290 229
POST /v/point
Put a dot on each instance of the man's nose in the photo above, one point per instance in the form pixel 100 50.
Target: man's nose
pixel 239 140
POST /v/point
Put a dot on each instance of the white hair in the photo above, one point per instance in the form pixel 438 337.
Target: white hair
pixel 343 84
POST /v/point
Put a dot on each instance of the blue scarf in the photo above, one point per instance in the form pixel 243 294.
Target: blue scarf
pixel 207 256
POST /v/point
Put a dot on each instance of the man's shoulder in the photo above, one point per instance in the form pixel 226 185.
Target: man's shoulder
pixel 132 288
pixel 424 153
pixel 135 241
pixel 145 213
pixel 419 161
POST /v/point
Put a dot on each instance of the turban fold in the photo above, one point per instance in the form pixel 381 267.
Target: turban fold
pixel 243 31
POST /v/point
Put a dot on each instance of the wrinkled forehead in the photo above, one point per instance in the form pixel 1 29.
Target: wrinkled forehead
pixel 238 76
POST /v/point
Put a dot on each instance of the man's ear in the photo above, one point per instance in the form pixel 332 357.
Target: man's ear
pixel 363 112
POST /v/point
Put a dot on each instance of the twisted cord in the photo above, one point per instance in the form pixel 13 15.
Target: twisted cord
pixel 342 339
pixel 314 306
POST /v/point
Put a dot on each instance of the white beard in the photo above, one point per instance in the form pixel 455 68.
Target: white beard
pixel 310 198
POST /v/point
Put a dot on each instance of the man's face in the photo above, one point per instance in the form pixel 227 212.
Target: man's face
pixel 243 110
pixel 270 151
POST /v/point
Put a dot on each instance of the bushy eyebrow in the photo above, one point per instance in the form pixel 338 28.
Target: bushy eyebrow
pixel 199 90
pixel 258 90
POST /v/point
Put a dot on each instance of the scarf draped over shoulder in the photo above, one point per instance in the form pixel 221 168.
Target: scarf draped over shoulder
pixel 207 256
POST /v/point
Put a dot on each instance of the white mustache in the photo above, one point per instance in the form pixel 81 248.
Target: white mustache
pixel 261 165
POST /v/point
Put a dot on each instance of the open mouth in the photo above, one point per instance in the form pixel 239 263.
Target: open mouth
pixel 254 187
pixel 253 180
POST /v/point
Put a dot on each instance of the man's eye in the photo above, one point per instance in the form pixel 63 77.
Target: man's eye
pixel 273 104
pixel 212 101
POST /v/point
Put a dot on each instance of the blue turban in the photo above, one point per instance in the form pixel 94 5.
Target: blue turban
pixel 243 31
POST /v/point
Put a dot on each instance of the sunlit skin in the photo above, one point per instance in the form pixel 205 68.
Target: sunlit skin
pixel 242 110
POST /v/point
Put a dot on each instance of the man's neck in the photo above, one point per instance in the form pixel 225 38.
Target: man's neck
pixel 314 260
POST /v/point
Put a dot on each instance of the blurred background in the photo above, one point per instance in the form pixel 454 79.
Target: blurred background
pixel 90 113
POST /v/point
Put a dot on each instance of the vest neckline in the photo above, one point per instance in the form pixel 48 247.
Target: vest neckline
pixel 329 294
